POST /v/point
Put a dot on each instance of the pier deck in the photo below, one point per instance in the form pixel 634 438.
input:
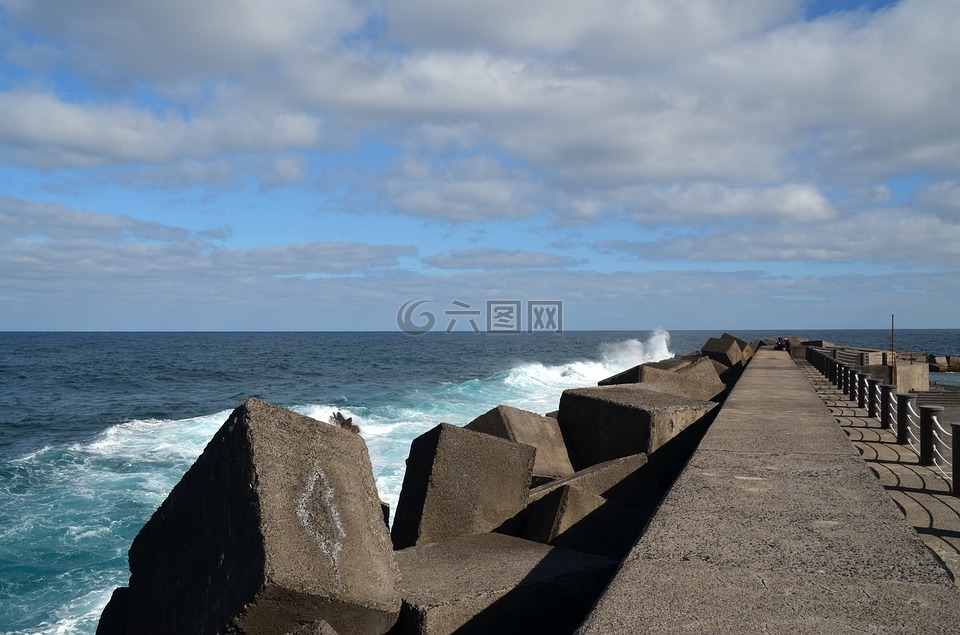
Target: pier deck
pixel 777 525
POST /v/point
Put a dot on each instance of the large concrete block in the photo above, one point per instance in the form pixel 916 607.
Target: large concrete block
pixel 618 479
pixel 276 525
pixel 693 379
pixel 571 518
pixel 608 422
pixel 727 351
pixel 459 482
pixel 542 433
pixel 701 381
pixel 491 583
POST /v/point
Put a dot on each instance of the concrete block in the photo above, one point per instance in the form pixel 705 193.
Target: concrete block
pixel 608 422
pixel 691 379
pixel 741 343
pixel 315 628
pixel 629 376
pixel 674 363
pixel 459 482
pixel 612 479
pixel 542 433
pixel 277 524
pixel 113 618
pixel 701 381
pixel 491 583
pixel 571 518
pixel 726 351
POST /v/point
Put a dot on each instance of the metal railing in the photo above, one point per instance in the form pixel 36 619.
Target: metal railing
pixel 942 443
pixel 919 428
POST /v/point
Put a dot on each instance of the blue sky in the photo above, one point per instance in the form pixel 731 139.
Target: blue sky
pixel 313 165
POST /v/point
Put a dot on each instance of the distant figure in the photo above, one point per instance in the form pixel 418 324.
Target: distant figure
pixel 346 423
pixel 781 345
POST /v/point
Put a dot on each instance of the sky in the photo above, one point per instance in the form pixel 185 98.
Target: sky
pixel 322 164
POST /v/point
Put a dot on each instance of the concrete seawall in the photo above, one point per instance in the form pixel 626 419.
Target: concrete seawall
pixel 776 525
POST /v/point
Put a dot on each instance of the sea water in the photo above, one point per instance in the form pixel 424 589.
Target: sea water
pixel 97 428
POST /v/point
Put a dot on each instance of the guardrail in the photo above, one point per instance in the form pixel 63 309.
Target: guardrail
pixel 919 428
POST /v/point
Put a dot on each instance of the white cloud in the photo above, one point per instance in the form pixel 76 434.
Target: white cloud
pixel 180 40
pixel 493 259
pixel 473 189
pixel 683 204
pixel 901 238
pixel 43 241
pixel 593 32
pixel 39 128
pixel 943 197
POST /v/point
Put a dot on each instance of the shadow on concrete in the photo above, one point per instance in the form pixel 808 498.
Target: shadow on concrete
pixel 922 493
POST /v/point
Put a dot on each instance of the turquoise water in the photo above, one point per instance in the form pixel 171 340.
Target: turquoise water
pixel 96 428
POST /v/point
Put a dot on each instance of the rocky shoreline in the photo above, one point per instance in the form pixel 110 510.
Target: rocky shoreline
pixel 513 522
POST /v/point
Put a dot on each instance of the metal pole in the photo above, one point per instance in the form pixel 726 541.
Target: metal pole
pixel 886 413
pixel 955 458
pixel 927 413
pixel 904 401
pixel 873 398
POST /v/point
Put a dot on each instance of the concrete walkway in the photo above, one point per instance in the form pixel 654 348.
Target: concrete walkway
pixel 776 525
pixel 922 493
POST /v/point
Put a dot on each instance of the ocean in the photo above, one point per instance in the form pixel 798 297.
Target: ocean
pixel 96 428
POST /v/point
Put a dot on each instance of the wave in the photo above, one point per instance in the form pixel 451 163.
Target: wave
pixel 71 511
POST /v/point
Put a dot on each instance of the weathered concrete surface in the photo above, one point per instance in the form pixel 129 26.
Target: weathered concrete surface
pixel 692 379
pixel 315 628
pixel 701 381
pixel 529 428
pixel 459 482
pixel 571 518
pixel 277 524
pixel 725 350
pixel 614 479
pixel 777 526
pixel 491 583
pixel 608 422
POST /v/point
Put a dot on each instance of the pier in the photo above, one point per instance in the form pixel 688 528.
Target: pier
pixel 777 524
pixel 742 489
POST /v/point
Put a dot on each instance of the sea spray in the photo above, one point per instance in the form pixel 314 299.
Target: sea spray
pixel 73 506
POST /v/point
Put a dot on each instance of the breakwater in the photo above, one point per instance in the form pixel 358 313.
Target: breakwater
pixel 501 494
pixel 485 535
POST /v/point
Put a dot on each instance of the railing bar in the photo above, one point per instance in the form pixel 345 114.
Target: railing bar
pixel 915 448
pixel 938 426
pixel 911 434
pixel 949 477
pixel 936 452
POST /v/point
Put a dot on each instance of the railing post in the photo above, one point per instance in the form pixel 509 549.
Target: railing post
pixel 852 384
pixel 904 402
pixel 873 397
pixel 886 413
pixel 861 390
pixel 955 457
pixel 927 413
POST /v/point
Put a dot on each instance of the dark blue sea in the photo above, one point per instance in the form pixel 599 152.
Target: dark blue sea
pixel 96 428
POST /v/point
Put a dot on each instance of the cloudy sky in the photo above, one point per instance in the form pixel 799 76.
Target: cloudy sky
pixel 315 164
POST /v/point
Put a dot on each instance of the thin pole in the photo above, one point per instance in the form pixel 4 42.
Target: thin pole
pixel 893 353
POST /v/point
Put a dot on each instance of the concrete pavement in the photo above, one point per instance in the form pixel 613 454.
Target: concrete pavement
pixel 777 525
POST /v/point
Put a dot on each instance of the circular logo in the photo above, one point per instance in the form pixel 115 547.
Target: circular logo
pixel 405 318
